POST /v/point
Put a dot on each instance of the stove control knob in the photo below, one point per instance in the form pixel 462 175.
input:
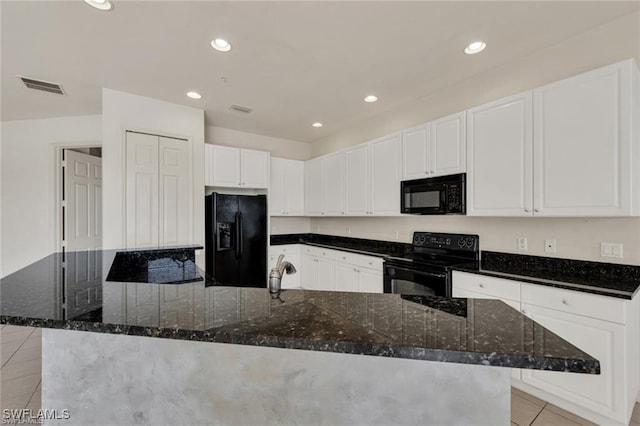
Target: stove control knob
pixel 461 242
pixel 416 239
pixel 423 239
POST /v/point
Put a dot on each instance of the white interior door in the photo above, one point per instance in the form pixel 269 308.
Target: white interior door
pixel 83 201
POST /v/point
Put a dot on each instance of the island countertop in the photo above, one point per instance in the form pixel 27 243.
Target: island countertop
pixel 81 291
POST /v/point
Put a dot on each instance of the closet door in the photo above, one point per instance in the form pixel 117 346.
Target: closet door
pixel 174 192
pixel 142 190
pixel 159 196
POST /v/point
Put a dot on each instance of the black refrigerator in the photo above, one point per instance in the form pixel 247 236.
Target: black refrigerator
pixel 236 239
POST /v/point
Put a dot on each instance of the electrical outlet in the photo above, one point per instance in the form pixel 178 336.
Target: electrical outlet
pixel 611 250
pixel 522 244
pixel 550 246
pixel 396 234
pixel 348 231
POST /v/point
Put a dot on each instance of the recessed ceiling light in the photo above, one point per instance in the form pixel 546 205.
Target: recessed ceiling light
pixel 100 4
pixel 317 124
pixel 370 98
pixel 221 45
pixel 194 95
pixel 475 47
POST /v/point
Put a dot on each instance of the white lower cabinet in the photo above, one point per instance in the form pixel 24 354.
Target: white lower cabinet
pixel 335 270
pixel 607 328
pixel 603 393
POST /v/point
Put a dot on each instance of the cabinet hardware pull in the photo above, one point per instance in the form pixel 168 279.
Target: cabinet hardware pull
pixel 527 210
pixel 565 302
pixel 536 210
pixel 481 285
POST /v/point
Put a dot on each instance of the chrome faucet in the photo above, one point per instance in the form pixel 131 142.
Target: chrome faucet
pixel 275 276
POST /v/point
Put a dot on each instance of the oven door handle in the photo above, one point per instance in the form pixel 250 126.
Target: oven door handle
pixel 426 274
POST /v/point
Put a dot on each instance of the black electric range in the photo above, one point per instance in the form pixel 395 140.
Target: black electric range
pixel 426 269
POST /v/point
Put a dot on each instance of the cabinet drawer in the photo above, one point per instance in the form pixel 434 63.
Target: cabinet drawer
pixel 497 287
pixel 346 257
pixel 310 250
pixel 575 302
pixel 286 249
pixel 370 262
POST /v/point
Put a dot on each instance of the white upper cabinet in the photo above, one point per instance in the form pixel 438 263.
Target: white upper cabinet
pixel 236 168
pixel 334 184
pixel 499 150
pixel 448 145
pixel 385 160
pixel 357 180
pixel 583 144
pixel 415 152
pixel 565 149
pixel 435 149
pixel 314 204
pixel 254 166
pixel 224 167
pixel 286 188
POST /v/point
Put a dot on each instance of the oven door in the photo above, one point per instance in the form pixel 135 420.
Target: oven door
pixel 405 279
pixel 423 198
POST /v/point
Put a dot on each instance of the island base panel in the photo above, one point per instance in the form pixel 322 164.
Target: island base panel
pixel 120 379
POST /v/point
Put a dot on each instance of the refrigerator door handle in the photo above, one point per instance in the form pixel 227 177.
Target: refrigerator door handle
pixel 238 235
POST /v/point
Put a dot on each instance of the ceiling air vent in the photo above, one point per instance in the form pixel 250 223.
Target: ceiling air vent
pixel 45 86
pixel 240 109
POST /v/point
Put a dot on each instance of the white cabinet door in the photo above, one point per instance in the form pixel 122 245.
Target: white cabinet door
pixel 370 281
pixel 309 278
pixel 276 186
pixel 346 277
pixel 313 187
pixel 499 158
pixel 357 181
pixel 255 168
pixel 334 184
pixel 582 144
pixel 175 195
pixel 415 152
pixel 142 190
pixel 326 274
pixel 385 160
pixel 226 166
pixel 602 340
pixel 448 145
pixel 294 188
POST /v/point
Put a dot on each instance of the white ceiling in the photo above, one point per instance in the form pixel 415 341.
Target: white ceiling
pixel 292 62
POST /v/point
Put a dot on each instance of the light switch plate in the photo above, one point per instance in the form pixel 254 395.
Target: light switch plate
pixel 611 250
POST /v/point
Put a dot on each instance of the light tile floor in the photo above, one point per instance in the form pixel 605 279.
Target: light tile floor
pixel 21 367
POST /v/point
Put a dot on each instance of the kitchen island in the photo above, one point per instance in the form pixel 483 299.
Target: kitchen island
pixel 120 351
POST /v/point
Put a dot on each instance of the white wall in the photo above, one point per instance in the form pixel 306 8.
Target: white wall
pixel 123 111
pixel 284 148
pixel 27 187
pixel 576 238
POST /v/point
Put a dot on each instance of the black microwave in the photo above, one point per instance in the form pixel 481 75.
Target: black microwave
pixel 436 195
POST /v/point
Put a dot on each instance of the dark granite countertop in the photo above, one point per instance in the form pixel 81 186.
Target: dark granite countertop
pixel 607 279
pixel 470 331
pixel 355 245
